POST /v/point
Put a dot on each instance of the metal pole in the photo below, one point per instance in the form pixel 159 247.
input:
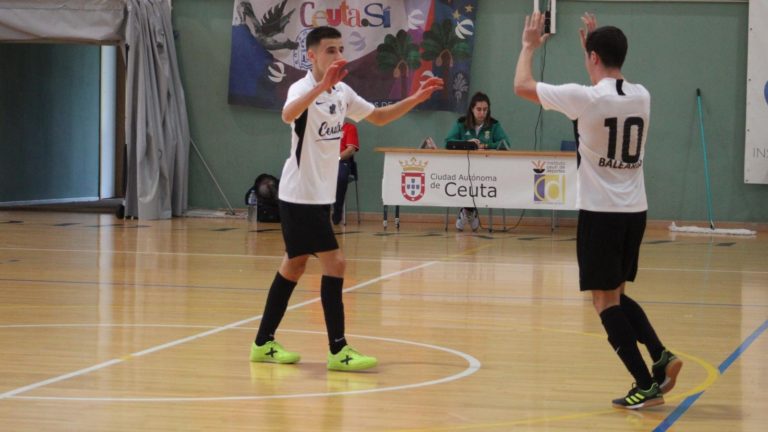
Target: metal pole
pixel 231 211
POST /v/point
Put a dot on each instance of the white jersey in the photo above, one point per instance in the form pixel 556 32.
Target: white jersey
pixel 310 172
pixel 612 123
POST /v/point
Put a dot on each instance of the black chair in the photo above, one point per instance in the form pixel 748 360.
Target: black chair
pixel 353 178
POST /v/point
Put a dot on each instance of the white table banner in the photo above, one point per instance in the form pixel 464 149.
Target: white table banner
pixel 482 179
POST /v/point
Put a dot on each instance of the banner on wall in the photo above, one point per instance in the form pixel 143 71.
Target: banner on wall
pixel 391 47
pixel 756 136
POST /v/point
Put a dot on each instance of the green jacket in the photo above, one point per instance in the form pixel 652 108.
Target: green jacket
pixel 491 135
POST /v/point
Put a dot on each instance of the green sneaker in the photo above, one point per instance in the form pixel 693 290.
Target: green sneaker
pixel 665 371
pixel 637 398
pixel 273 352
pixel 350 360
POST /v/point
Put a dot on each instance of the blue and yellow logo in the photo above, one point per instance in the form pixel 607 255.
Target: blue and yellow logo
pixel 765 92
pixel 547 188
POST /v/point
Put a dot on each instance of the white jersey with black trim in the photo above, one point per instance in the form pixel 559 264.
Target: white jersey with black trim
pixel 612 123
pixel 310 172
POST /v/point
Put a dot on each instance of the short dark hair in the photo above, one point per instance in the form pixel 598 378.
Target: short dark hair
pixel 610 44
pixel 319 33
pixel 469 120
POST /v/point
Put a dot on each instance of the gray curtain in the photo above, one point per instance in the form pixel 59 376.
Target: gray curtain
pixel 157 131
pixel 156 125
pixel 61 20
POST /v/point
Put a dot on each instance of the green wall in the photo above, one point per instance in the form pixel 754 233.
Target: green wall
pixel 674 49
pixel 49 122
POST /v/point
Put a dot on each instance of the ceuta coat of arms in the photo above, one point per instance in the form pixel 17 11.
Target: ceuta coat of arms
pixel 413 179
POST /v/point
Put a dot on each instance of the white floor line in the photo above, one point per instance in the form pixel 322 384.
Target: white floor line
pixel 399 259
pixel 113 362
pixel 198 254
pixel 473 365
pixel 60 378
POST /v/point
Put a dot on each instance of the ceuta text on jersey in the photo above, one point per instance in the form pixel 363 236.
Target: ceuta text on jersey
pixel 329 131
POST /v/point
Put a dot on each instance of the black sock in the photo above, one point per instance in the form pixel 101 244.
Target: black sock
pixel 645 333
pixel 277 302
pixel 622 338
pixel 333 308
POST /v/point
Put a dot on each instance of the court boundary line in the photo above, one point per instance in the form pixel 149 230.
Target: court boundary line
pixel 572 264
pixel 381 293
pixel 112 362
pixel 711 371
pixel 473 366
pixel 688 402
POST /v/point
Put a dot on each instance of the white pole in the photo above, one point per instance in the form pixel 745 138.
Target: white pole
pixel 107 121
pixel 552 16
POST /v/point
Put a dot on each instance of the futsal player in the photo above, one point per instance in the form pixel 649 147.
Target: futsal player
pixel 315 108
pixel 612 117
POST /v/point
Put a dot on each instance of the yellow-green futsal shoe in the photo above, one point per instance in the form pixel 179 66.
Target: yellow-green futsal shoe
pixel 665 371
pixel 638 398
pixel 273 352
pixel 349 360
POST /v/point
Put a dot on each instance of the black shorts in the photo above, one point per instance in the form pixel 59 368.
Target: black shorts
pixel 307 228
pixel 608 248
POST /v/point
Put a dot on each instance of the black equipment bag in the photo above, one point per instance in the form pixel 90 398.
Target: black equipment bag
pixel 266 187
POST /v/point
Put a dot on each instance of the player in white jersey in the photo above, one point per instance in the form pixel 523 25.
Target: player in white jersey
pixel 315 108
pixel 612 118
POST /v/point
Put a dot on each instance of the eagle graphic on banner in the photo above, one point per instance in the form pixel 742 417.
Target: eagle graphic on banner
pixel 270 30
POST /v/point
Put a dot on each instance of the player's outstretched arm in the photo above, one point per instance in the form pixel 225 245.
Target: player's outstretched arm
pixel 383 115
pixel 533 38
pixel 333 75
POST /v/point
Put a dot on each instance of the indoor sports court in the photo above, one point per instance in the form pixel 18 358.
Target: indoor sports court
pixel 126 325
pixel 410 195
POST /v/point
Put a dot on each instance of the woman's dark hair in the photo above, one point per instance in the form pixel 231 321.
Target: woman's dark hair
pixel 469 120
pixel 610 44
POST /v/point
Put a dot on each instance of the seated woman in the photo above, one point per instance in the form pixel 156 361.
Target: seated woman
pixel 479 127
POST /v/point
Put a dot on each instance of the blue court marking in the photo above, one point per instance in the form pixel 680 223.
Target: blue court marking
pixel 690 400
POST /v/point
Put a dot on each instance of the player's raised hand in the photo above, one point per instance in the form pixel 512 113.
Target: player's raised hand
pixel 335 73
pixel 533 31
pixel 590 24
pixel 427 88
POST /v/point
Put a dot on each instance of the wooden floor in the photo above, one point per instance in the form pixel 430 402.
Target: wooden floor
pixel 108 325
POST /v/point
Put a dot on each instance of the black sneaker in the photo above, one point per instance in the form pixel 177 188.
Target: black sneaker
pixel 665 371
pixel 638 398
